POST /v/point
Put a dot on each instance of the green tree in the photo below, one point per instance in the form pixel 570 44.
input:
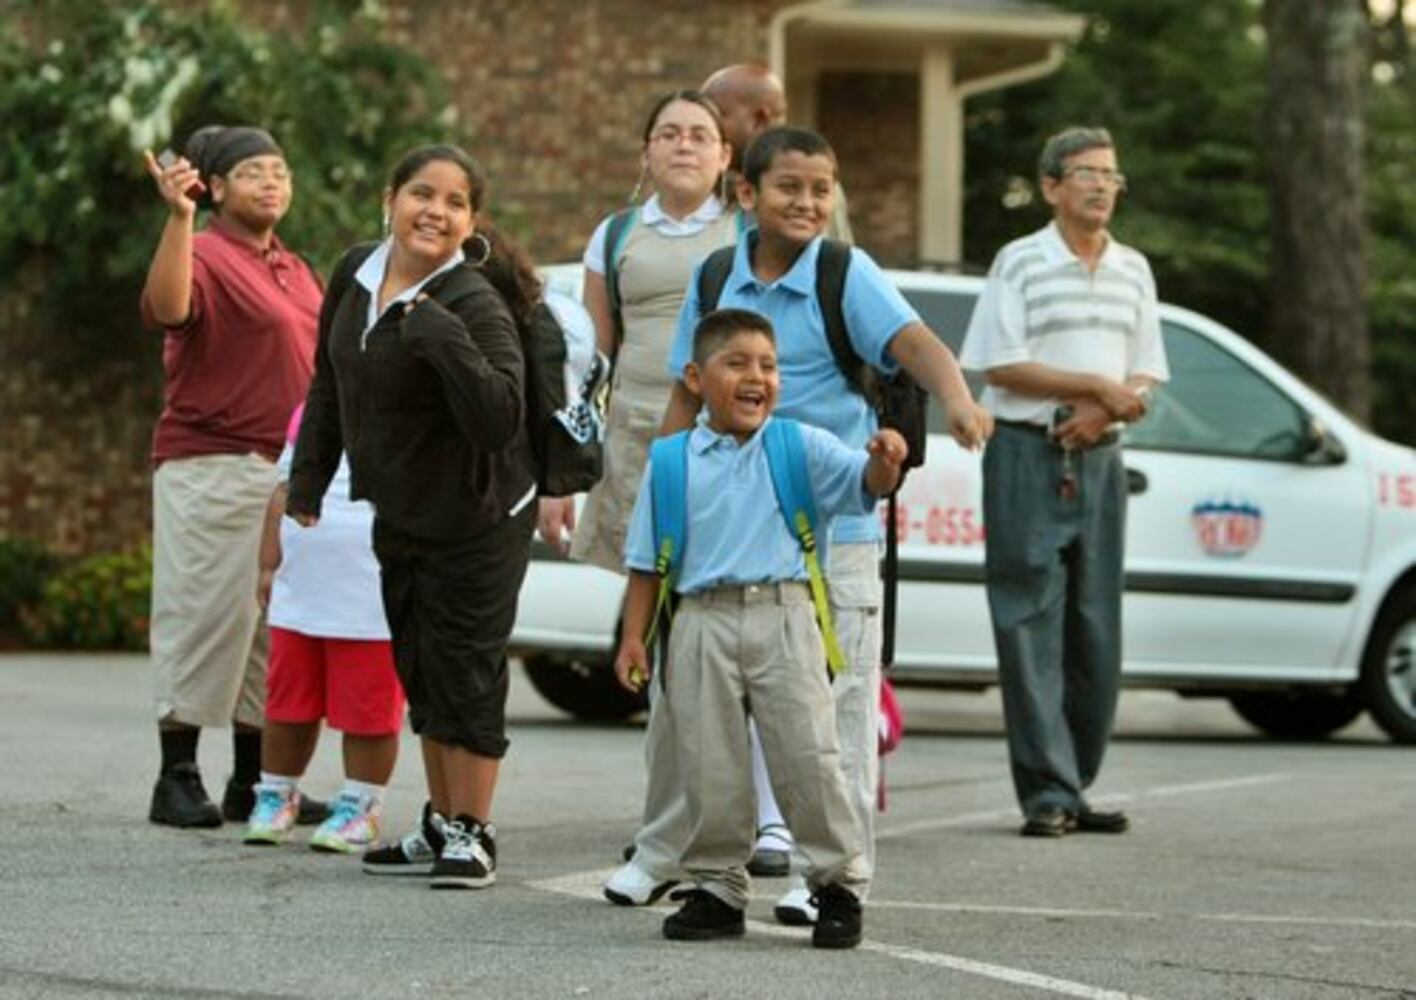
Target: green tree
pixel 1317 64
pixel 86 85
pixel 1182 87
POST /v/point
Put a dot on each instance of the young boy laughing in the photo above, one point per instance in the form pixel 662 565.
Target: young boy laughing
pixel 745 638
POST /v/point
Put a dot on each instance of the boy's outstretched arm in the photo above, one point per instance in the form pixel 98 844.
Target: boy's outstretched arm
pixel 933 366
pixel 888 452
pixel 632 664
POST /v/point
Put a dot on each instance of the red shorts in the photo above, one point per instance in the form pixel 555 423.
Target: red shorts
pixel 350 682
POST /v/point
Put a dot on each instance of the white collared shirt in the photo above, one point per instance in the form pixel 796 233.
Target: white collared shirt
pixel 1042 303
pixel 652 214
pixel 371 274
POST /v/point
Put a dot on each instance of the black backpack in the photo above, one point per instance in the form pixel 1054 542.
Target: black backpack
pixel 897 399
pixel 564 374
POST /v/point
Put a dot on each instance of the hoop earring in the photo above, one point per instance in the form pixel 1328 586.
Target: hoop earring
pixel 638 185
pixel 486 249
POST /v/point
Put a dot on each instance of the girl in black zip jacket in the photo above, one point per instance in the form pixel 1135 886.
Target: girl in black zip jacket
pixel 419 376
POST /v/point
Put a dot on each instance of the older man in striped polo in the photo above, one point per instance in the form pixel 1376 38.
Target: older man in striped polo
pixel 1067 335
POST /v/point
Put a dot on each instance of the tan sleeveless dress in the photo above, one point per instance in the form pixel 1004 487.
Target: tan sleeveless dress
pixel 654 272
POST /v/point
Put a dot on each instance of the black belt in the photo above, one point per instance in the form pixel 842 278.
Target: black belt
pixel 1105 441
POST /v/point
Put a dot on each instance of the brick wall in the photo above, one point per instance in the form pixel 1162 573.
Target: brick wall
pixel 74 438
pixel 553 94
pixel 872 119
pixel 555 102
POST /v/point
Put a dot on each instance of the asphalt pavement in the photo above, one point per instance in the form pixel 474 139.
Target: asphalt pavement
pixel 1254 869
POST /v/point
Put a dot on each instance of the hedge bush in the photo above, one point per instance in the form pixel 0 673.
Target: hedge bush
pixel 25 565
pixel 101 602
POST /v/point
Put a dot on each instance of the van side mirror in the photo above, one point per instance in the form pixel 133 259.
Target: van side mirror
pixel 1321 446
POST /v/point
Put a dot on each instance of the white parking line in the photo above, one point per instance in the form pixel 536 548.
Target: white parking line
pixel 586 885
pixel 1365 923
pixel 1161 791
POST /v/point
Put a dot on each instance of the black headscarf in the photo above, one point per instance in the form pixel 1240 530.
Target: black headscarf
pixel 215 149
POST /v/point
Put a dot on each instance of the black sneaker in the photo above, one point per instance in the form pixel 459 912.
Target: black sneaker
pixel 178 799
pixel 838 918
pixel 414 854
pixel 704 917
pixel 468 859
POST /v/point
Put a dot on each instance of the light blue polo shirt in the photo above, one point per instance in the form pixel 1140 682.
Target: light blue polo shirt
pixel 814 390
pixel 735 532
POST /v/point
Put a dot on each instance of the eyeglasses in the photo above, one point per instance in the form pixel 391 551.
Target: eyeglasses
pixel 259 175
pixel 1097 175
pixel 698 138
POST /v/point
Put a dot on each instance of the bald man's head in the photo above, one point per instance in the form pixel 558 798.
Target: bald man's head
pixel 751 99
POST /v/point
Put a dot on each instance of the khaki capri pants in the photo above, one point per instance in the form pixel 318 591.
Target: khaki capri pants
pixel 207 634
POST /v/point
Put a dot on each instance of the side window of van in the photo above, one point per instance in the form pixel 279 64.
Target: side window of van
pixel 947 314
pixel 1215 404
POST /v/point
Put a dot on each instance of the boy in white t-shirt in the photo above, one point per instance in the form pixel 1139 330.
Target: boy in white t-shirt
pixel 330 658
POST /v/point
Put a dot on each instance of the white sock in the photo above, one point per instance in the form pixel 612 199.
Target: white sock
pixel 370 795
pixel 285 783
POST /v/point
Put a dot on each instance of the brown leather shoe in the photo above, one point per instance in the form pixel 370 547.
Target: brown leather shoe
pixel 1048 821
pixel 1090 820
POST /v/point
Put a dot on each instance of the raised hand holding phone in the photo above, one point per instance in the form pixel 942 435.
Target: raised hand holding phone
pixel 178 182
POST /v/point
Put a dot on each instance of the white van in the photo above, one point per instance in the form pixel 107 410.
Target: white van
pixel 1270 554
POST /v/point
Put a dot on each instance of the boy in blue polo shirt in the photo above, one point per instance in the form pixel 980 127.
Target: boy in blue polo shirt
pixel 788 182
pixel 745 636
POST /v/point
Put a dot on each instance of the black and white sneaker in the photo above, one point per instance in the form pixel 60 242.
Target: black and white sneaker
pixel 469 855
pixel 414 854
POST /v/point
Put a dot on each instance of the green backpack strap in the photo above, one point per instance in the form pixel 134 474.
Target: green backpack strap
pixel 616 233
pixel 668 495
pixel 791 480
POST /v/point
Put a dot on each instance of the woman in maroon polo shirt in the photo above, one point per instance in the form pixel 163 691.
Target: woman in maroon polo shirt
pixel 239 314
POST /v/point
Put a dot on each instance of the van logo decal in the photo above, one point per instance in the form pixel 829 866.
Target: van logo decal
pixel 1228 528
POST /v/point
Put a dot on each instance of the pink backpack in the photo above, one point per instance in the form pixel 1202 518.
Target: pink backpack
pixel 890 731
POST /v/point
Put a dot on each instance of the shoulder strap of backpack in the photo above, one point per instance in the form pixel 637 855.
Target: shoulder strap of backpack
pixel 668 495
pixel 832 264
pixel 616 232
pixel 791 481
pixel 713 278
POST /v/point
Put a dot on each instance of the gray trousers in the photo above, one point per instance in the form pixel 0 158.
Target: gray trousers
pixel 1054 569
pixel 757 648
pixel 855 594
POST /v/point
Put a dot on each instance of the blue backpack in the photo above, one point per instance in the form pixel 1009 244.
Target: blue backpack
pixel 786 459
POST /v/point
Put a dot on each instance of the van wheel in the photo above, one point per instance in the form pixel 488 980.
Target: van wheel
pixel 1388 682
pixel 586 688
pixel 1297 715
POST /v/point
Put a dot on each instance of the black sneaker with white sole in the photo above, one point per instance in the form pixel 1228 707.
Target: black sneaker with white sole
pixel 414 854
pixel 469 856
pixel 838 918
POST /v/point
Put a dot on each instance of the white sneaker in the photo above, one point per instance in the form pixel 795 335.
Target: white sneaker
pixel 795 908
pixel 631 885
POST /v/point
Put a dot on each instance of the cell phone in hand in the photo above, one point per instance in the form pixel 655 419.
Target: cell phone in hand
pixel 1060 416
pixel 166 160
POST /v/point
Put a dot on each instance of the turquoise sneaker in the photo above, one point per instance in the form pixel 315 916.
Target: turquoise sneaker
pixel 353 825
pixel 273 817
